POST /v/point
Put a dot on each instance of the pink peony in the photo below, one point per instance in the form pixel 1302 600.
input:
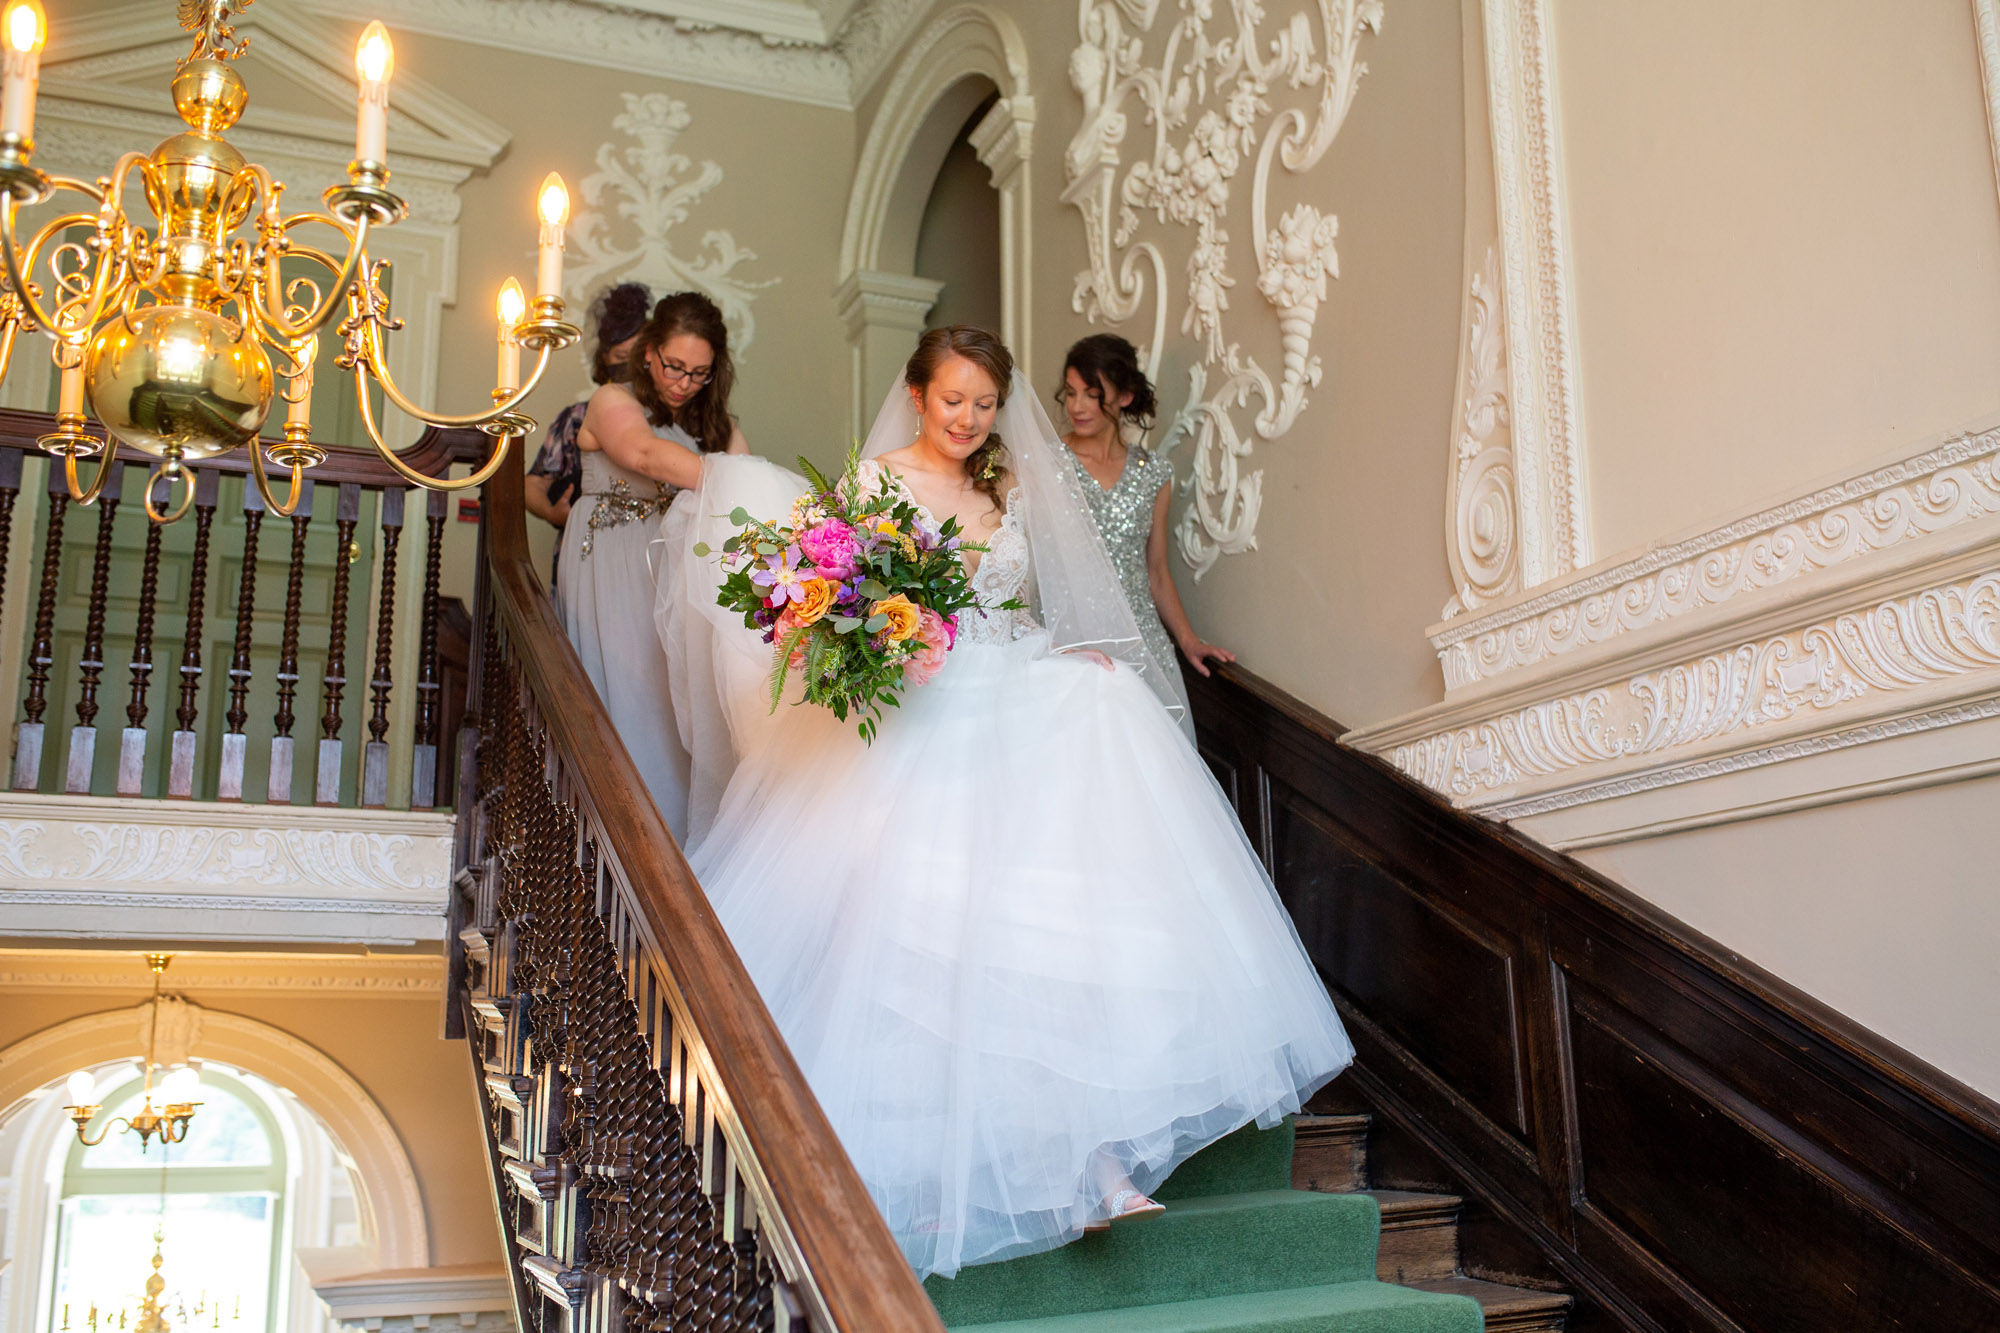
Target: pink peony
pixel 925 663
pixel 833 548
pixel 934 631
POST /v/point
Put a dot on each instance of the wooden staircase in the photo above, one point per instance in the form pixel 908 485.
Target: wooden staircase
pixel 1419 1243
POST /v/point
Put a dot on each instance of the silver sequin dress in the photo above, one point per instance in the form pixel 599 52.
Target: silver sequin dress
pixel 1124 515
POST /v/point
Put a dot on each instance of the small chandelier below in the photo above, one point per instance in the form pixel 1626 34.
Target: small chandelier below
pixel 177 1090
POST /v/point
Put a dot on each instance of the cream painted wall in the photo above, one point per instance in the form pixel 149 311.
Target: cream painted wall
pixel 391 1047
pixel 958 243
pixel 1885 909
pixel 1787 249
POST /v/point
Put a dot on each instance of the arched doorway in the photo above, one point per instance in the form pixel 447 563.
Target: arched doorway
pixel 958 234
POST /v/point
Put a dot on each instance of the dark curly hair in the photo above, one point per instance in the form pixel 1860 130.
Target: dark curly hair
pixel 706 415
pixel 616 314
pixel 1106 358
pixel 986 463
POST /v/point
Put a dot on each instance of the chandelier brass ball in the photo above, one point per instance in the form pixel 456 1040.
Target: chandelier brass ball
pixel 178 382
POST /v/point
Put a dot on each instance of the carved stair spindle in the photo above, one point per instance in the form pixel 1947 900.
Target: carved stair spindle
pixel 278 789
pixel 42 653
pixel 375 755
pixel 180 757
pixel 10 490
pixel 90 667
pixel 424 757
pixel 326 778
pixel 132 743
pixel 235 745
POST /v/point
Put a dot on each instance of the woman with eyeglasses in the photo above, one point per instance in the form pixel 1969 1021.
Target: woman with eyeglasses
pixel 642 442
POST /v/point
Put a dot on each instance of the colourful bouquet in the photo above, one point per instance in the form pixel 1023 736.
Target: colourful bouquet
pixel 858 590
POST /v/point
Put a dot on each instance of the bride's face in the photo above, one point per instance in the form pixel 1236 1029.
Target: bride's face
pixel 957 407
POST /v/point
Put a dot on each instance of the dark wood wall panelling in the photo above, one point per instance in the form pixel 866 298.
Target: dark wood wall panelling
pixel 1690 1142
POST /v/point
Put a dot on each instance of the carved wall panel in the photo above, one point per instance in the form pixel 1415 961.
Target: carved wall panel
pixel 1210 84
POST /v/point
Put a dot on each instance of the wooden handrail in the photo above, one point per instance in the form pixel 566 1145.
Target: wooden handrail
pixel 808 1197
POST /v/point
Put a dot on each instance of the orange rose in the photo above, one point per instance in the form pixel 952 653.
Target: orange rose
pixel 904 617
pixel 813 599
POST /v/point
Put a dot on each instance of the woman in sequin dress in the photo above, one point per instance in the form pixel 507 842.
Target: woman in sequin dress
pixel 642 442
pixel 1128 487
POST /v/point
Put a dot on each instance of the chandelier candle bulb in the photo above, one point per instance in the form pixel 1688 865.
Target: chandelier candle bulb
pixel 81 1086
pixel 23 29
pixel 553 203
pixel 374 62
pixel 513 304
pixel 69 394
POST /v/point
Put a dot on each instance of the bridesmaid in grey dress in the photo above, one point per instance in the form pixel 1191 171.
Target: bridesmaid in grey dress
pixel 642 442
pixel 1128 487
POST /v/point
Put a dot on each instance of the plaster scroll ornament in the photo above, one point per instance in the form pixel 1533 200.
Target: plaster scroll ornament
pixel 180 1028
pixel 650 188
pixel 1208 97
pixel 1484 550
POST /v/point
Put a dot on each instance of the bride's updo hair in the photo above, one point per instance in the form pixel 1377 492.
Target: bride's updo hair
pixel 985 464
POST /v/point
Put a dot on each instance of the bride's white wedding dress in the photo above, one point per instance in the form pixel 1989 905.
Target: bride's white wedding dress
pixel 1020 945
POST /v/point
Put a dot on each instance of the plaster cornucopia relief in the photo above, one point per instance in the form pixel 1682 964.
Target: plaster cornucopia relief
pixel 1207 85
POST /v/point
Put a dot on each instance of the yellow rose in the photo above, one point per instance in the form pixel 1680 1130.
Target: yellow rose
pixel 813 599
pixel 903 616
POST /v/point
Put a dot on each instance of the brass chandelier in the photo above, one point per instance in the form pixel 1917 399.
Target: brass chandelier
pixel 176 1092
pixel 177 335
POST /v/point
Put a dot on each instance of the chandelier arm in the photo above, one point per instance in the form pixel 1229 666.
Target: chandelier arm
pixel 286 509
pixel 106 461
pixel 372 359
pixel 11 256
pixel 268 291
pixel 256 301
pixel 108 276
pixel 410 474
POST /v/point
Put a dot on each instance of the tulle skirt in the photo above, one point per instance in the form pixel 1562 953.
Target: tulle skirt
pixel 1020 946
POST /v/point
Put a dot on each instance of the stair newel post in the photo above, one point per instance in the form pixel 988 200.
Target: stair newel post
pixel 180 754
pixel 278 786
pixel 375 754
pixel 42 652
pixel 132 741
pixel 90 667
pixel 326 776
pixel 235 745
pixel 424 754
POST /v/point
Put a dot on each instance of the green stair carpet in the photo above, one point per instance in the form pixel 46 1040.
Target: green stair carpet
pixel 1237 1250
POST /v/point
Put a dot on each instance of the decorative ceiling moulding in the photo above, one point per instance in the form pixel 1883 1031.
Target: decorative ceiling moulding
pixel 132 869
pixel 632 203
pixel 762 48
pixel 333 976
pixel 1552 529
pixel 1903 642
pixel 1207 99
pixel 1955 481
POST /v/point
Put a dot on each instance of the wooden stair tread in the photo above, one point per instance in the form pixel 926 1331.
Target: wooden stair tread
pixel 1415 1207
pixel 1507 1309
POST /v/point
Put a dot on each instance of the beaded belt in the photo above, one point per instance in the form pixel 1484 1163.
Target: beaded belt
pixel 619 506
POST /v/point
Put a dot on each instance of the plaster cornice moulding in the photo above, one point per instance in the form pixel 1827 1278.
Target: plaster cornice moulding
pixel 836 73
pixel 331 976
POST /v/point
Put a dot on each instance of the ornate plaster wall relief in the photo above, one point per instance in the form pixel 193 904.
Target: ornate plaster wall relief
pixel 1816 681
pixel 1954 482
pixel 653 189
pixel 1208 97
pixel 1480 502
pixel 1552 523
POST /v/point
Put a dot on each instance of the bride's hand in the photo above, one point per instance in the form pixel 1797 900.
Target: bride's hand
pixel 1092 655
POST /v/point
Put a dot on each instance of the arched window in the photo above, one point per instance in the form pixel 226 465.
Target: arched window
pixel 218 1198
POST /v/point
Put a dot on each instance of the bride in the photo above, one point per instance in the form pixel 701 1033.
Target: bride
pixel 1019 945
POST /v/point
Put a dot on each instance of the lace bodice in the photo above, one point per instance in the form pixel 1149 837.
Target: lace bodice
pixel 1003 570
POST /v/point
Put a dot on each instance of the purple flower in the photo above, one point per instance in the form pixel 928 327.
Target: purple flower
pixel 780 576
pixel 833 548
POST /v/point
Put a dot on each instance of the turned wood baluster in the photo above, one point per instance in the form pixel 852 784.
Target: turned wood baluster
pixel 42 653
pixel 180 758
pixel 278 789
pixel 132 741
pixel 423 771
pixel 10 490
pixel 375 754
pixel 235 745
pixel 90 668
pixel 326 779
